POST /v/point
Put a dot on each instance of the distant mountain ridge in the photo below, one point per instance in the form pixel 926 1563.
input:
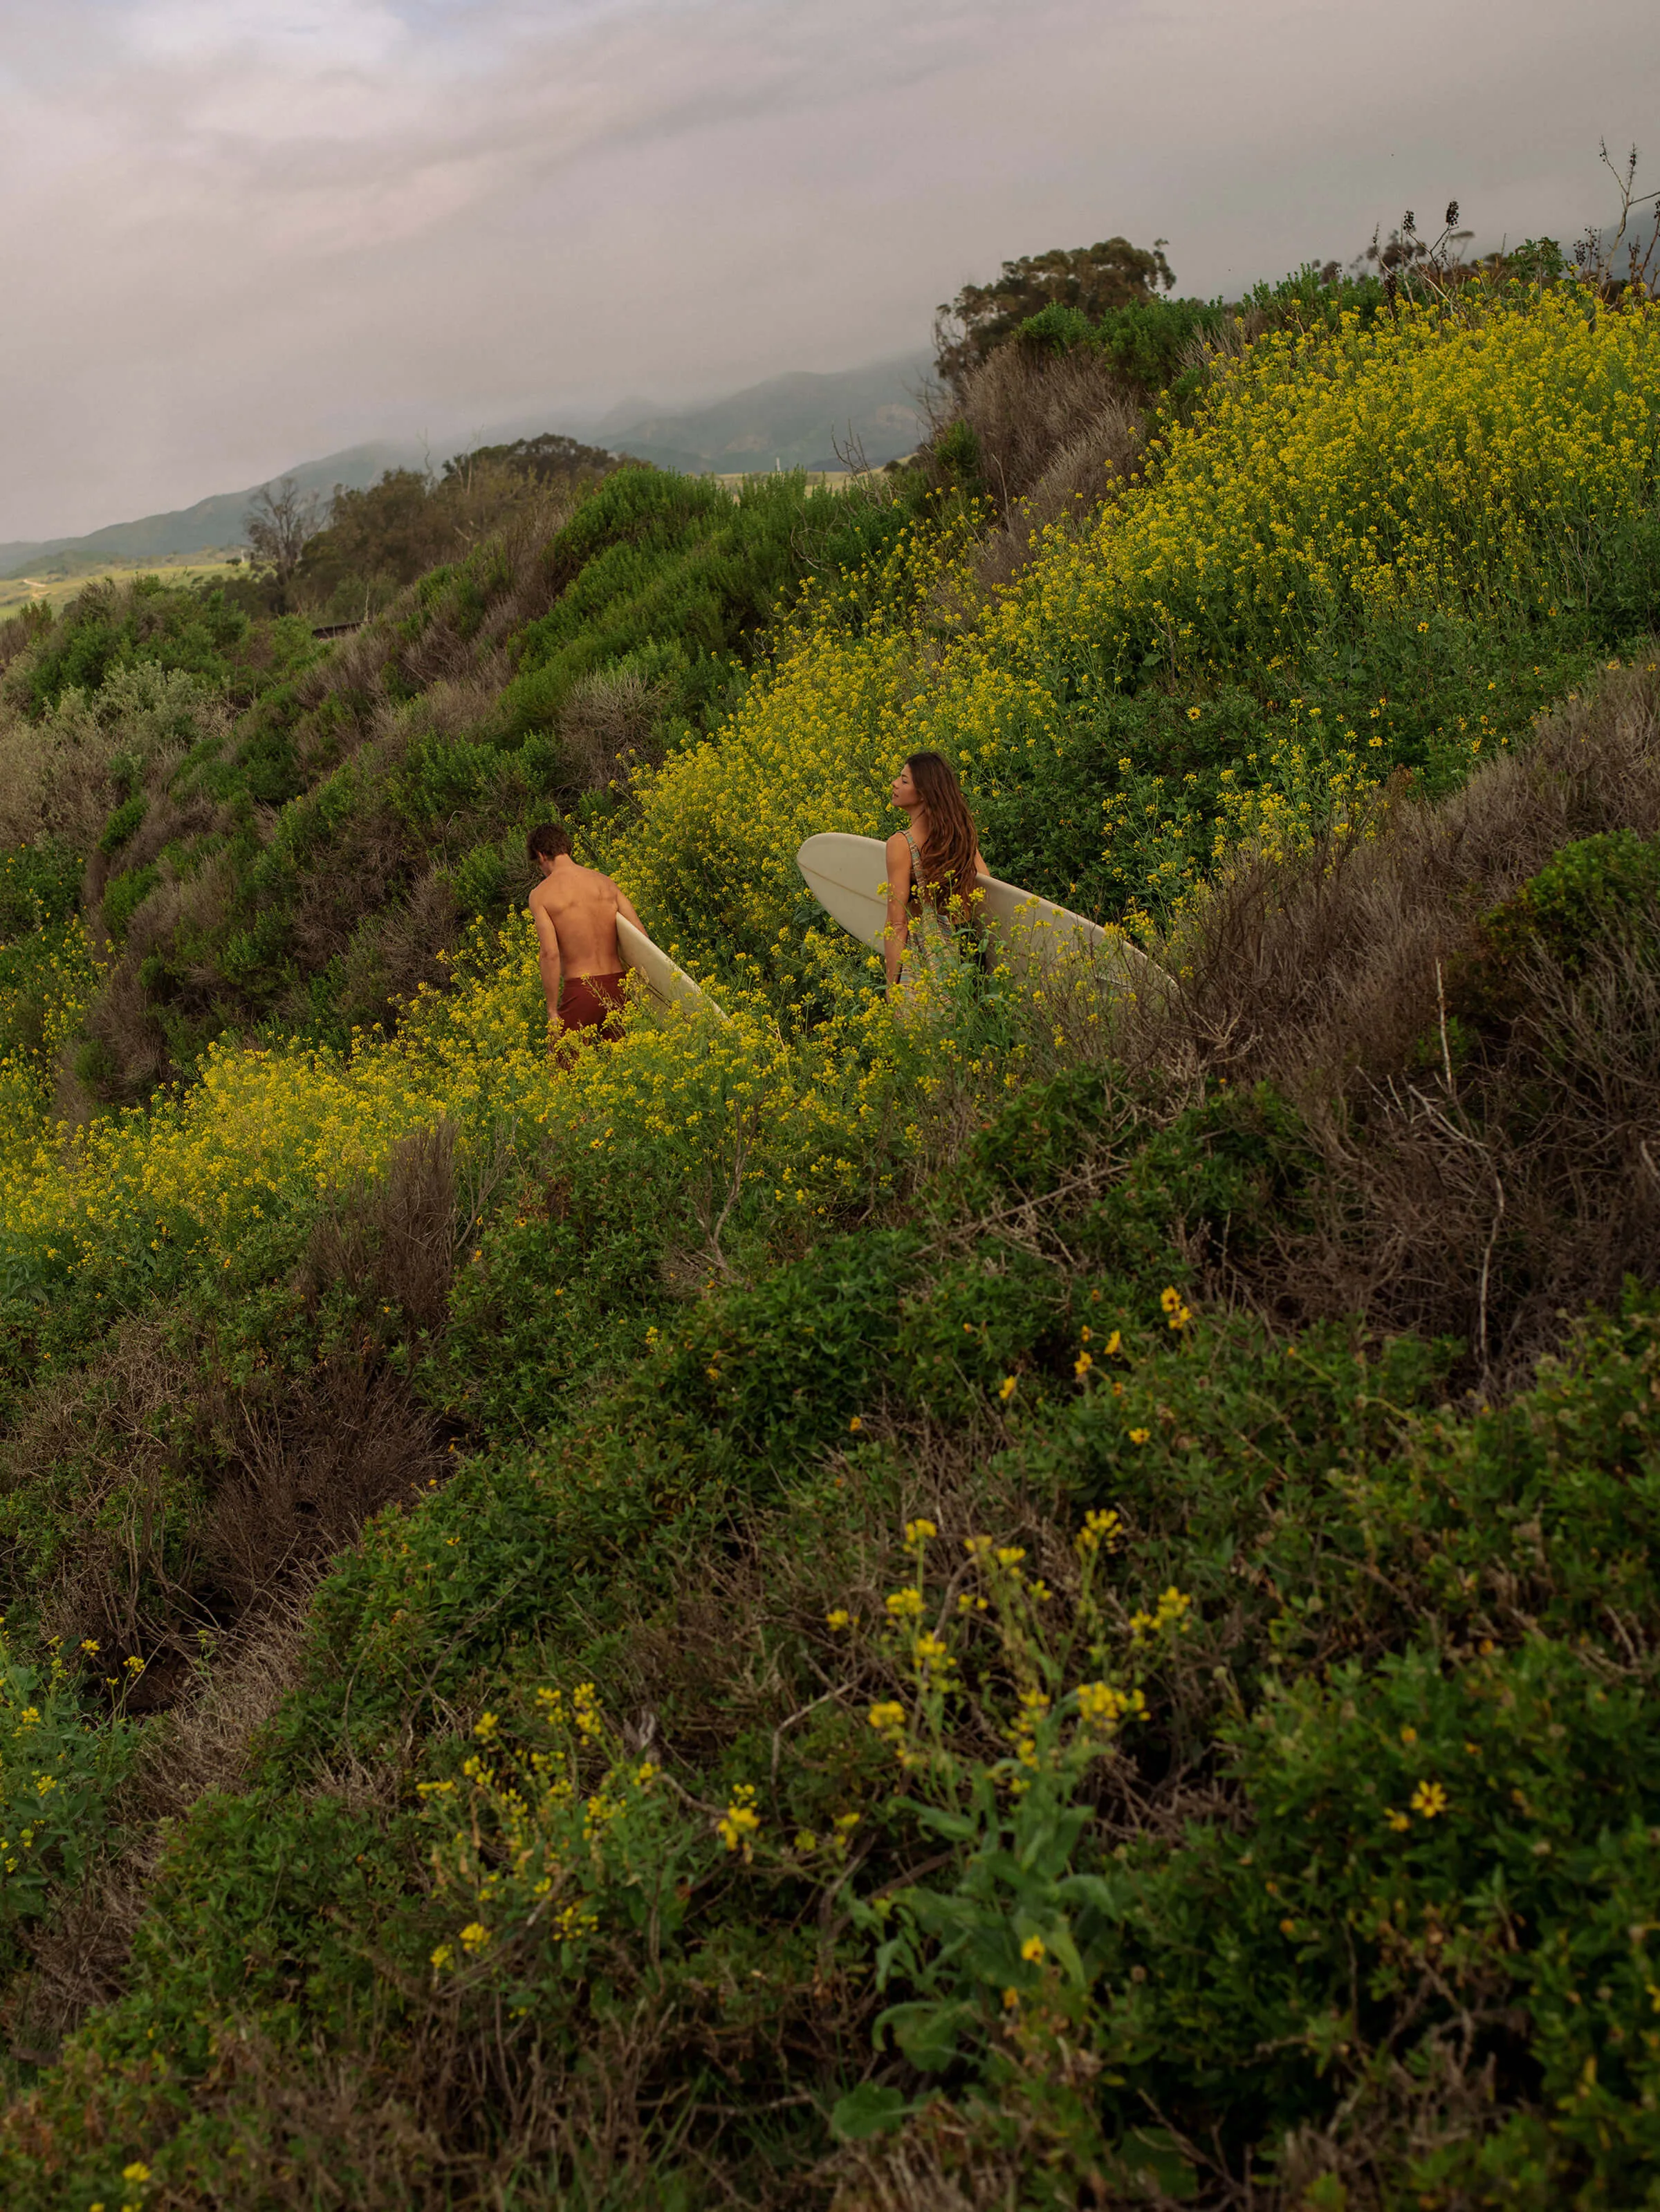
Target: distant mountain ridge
pixel 794 420
pixel 218 521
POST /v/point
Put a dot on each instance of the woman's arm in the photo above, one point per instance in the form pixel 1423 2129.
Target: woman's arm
pixel 898 930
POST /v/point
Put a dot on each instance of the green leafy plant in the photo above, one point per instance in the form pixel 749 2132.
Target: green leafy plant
pixel 60 1766
pixel 1020 1915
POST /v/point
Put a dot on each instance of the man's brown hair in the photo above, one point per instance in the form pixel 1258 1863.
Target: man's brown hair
pixel 548 841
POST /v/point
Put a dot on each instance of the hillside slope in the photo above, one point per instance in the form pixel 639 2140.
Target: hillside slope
pixel 1049 1603
pixel 311 862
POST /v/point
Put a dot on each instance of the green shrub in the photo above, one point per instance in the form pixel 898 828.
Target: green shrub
pixel 59 1769
pixel 126 893
pixel 484 880
pixel 1599 892
pixel 123 822
pixel 1464 1838
pixel 47 975
pixel 1148 342
pixel 149 623
pixel 654 557
pixel 39 886
pixel 1573 899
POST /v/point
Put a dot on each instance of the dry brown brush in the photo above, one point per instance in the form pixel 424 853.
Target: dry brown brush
pixel 1471 1181
pixel 1458 1176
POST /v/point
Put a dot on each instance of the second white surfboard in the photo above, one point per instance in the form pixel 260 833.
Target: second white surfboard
pixel 667 983
pixel 848 877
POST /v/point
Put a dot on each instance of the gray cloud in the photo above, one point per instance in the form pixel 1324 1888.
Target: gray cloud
pixel 238 232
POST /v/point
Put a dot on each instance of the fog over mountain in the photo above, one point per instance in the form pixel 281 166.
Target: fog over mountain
pixel 798 420
pixel 241 231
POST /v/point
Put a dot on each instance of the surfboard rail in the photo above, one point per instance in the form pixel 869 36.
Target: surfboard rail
pixel 664 979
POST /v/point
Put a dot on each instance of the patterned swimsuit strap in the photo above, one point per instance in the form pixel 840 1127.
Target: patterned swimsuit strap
pixel 917 878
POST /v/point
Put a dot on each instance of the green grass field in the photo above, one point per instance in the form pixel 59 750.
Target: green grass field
pixel 52 583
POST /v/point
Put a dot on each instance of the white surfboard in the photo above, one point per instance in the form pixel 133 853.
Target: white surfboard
pixel 848 875
pixel 664 981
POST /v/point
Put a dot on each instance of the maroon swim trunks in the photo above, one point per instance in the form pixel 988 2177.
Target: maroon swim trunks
pixel 593 1002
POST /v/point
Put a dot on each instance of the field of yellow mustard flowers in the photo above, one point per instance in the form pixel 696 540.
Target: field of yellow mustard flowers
pixel 812 1609
pixel 1435 465
pixel 1364 497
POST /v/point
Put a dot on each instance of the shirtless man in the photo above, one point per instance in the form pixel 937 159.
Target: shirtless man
pixel 576 910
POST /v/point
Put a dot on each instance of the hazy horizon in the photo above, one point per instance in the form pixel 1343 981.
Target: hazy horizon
pixel 241 232
pixel 611 423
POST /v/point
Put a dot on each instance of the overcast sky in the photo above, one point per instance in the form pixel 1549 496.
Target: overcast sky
pixel 238 233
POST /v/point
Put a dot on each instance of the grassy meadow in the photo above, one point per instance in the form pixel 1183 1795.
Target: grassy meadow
pixel 53 583
pixel 1052 1603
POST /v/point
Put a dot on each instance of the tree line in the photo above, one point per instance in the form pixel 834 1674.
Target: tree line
pixel 342 559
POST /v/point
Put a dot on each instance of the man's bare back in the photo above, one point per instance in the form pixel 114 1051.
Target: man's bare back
pixel 575 909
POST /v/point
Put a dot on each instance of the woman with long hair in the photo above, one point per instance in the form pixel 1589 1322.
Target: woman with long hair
pixel 932 865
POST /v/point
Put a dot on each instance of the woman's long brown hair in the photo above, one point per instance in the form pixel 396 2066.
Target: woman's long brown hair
pixel 948 850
